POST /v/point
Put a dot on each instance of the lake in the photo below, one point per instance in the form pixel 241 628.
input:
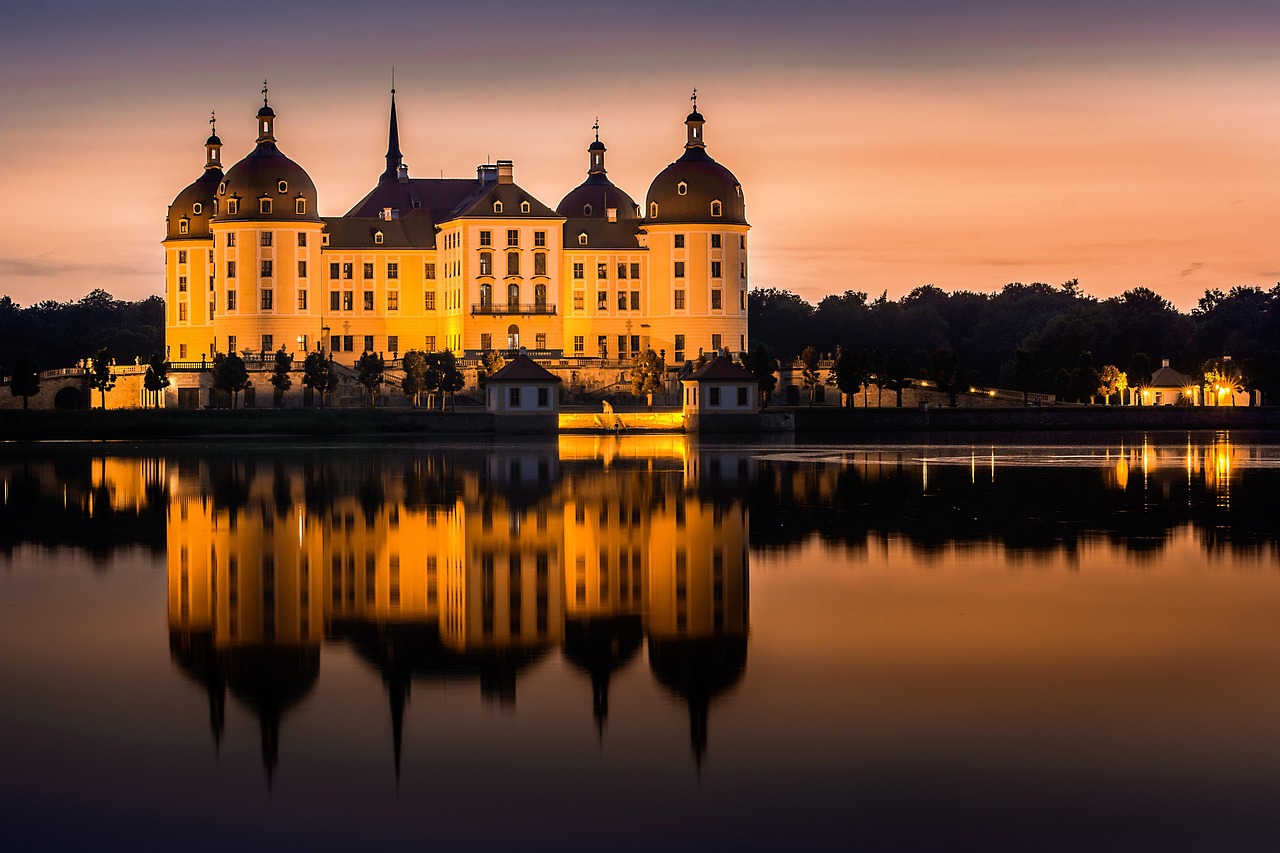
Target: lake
pixel 1018 642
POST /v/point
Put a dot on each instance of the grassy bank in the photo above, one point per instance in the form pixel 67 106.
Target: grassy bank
pixel 143 424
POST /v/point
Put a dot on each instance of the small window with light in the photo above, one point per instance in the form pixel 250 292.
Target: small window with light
pixel 183 226
pixel 377 238
pixel 524 207
pixel 653 210
pixel 497 207
pixel 300 206
pixel 582 239
pixel 233 206
pixel 264 205
pixel 716 208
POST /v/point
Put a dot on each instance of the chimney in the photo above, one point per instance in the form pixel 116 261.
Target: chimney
pixel 611 213
pixel 402 174
pixel 505 169
pixel 1164 362
pixel 486 173
pixel 386 214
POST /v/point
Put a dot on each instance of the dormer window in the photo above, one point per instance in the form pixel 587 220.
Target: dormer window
pixel 497 207
pixel 738 188
pixel 682 188
pixel 183 225
pixel 653 210
pixel 215 207
pixel 300 205
pixel 377 238
pixel 716 208
pixel 264 205
pixel 283 186
pixel 586 210
pixel 233 206
pixel 324 239
pixel 524 207
pixel 582 239
pixel 197 208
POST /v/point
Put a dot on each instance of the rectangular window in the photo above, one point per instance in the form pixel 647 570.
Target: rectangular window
pixel 742 300
pixel 264 206
pixel 182 312
pixel 716 342
pixel 348 270
pixel 266 238
pixel 539 238
pixel 333 300
pixel 212 308
pixel 486 341
pixel 715 241
pixel 635 270
pixel 544 398
pixel 602 270
pixel 742 396
pixel 622 270
pixel 579 300
pixel 231 343
pixel 267 343
pixel 540 263
pixel 333 270
pixel 742 269
pixel 182 350
pixel 300 206
pixel 266 269
pixel 602 300
pixel 635 344
pixel 302 300
pixel 679 297
pixel 348 343
pixel 429 300
pixel 368 300
pixel 679 347
pixel 231 240
pixel 714 395
pixel 513 263
pixel 578 271
pixel 393 270
pixel 368 343
pixel 182 256
pixel 715 269
pixel 513 398
pixel 635 300
pixel 486 238
pixel 393 343
pixel 302 238
pixel 348 300
pixel 233 207
pixel 679 241
pixel 266 299
pixel 742 241
pixel 679 269
pixel 578 345
pixel 368 270
pixel 513 237
pixel 716 300
pixel 302 269
pixel 393 300
pixel 540 340
pixel 231 300
pixel 430 343
pixel 182 284
pixel 429 272
pixel 622 346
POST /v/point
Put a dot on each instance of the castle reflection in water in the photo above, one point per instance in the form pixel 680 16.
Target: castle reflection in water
pixel 471 563
pixel 436 566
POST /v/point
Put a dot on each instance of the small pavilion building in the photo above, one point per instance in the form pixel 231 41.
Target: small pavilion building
pixel 524 397
pixel 722 396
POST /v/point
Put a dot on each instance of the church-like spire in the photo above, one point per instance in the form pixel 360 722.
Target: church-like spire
pixel 595 152
pixel 394 158
pixel 213 145
pixel 694 123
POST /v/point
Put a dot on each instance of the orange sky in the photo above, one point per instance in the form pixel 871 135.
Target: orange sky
pixel 909 158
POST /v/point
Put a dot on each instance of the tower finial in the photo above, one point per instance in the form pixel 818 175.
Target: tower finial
pixel 213 122
pixel 596 128
pixel 393 81
pixel 264 92
pixel 694 98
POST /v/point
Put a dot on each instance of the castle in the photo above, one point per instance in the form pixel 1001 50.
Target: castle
pixel 470 265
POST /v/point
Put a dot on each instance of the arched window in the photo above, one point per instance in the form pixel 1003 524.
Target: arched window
pixel 524 207
pixel 716 208
pixel 486 263
pixel 183 225
pixel 300 205
pixel 586 210
pixel 653 210
pixel 513 296
pixel 513 263
pixel 540 296
pixel 497 207
pixel 377 238
pixel 582 239
pixel 513 337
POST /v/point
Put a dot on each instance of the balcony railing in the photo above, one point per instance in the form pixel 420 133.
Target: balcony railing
pixel 512 308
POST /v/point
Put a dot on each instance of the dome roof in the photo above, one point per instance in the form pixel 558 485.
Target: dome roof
pixel 598 194
pixel 688 189
pixel 267 174
pixel 201 192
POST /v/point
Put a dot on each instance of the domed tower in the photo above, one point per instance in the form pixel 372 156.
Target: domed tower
pixel 266 242
pixel 604 264
pixel 188 257
pixel 696 224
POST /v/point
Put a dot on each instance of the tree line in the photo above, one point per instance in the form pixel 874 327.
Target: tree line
pixel 1033 337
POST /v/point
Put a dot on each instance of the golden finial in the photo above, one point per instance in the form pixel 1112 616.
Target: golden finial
pixel 264 93
pixel 596 128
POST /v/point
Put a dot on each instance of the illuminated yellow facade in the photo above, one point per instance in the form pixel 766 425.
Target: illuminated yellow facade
pixel 468 265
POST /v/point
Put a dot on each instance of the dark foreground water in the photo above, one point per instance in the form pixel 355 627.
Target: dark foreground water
pixel 642 643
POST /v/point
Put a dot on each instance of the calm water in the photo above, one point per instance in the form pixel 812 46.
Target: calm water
pixel 642 642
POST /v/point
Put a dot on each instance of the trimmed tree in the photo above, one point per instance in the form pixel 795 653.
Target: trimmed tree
pixel 414 383
pixel 280 378
pixel 370 369
pixel 25 381
pixel 101 379
pixel 230 376
pixel 318 375
pixel 451 378
pixel 646 375
pixel 850 374
pixel 156 379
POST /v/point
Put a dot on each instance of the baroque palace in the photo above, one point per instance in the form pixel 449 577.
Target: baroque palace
pixel 465 264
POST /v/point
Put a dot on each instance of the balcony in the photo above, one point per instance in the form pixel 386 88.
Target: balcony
pixel 497 309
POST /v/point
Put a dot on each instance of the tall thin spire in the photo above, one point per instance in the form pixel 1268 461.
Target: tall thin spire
pixel 394 157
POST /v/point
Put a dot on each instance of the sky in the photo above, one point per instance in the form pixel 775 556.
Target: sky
pixel 881 146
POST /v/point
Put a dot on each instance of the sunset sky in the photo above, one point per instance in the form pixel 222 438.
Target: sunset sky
pixel 881 145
